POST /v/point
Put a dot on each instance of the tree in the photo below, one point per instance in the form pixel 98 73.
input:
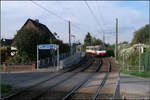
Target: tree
pixel 142 35
pixel 27 40
pixel 96 41
pixel 110 50
pixel 88 39
pixel 56 35
pixel 63 48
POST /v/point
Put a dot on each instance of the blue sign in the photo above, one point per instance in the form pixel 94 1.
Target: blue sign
pixel 49 46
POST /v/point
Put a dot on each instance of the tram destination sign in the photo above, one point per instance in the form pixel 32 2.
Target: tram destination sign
pixel 47 46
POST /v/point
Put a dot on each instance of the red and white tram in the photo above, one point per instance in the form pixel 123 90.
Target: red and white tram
pixel 96 50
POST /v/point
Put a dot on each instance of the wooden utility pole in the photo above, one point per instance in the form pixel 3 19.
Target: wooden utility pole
pixel 116 46
pixel 70 38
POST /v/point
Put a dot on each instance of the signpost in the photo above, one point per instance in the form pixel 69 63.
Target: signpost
pixel 47 47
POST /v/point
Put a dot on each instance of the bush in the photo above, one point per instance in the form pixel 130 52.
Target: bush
pixel 27 40
pixel 110 53
pixel 110 50
pixel 133 58
pixel 145 59
pixel 18 59
pixel 5 88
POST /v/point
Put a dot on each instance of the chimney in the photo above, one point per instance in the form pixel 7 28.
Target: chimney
pixel 36 20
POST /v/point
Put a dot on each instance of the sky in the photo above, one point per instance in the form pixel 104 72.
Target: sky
pixel 132 15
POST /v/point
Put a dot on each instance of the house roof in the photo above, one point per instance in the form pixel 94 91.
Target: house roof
pixel 7 41
pixel 40 26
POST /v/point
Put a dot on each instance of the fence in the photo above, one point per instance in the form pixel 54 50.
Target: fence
pixel 140 67
pixel 51 61
pixel 147 61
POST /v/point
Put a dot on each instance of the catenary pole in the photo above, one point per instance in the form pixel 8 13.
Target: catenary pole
pixel 116 46
pixel 70 39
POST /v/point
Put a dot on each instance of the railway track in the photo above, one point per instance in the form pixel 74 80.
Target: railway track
pixel 15 95
pixel 76 72
pixel 103 82
pixel 50 92
pixel 116 94
pixel 73 94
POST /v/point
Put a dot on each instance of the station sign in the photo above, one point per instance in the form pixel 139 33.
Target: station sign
pixel 47 46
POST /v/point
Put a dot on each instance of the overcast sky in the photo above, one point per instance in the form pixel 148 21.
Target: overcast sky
pixel 131 15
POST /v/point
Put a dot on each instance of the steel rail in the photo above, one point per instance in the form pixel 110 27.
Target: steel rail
pixel 60 82
pixel 102 83
pixel 41 82
pixel 117 90
pixel 81 83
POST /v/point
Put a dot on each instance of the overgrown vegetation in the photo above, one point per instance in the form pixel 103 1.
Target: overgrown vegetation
pixel 6 89
pixel 124 69
pixel 22 59
pixel 146 59
pixel 144 74
pixel 142 35
pixel 26 42
pixel 110 50
pixel 89 40
pixel 131 54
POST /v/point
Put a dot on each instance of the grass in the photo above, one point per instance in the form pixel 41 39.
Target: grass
pixel 144 74
pixel 6 89
pixel 134 68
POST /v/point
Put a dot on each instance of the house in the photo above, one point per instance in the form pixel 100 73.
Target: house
pixel 6 42
pixel 30 23
pixel 35 24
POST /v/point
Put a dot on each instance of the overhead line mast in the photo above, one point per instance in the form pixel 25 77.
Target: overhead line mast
pixel 116 46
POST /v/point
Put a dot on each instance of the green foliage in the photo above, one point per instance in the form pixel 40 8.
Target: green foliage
pixel 96 41
pixel 6 89
pixel 27 40
pixel 142 35
pixel 134 58
pixel 140 74
pixel 110 50
pixel 83 48
pixel 63 48
pixel 88 39
pixel 20 59
pixel 146 58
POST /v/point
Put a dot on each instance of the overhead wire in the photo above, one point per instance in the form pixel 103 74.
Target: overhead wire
pixel 49 11
pixel 92 13
pixel 60 4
